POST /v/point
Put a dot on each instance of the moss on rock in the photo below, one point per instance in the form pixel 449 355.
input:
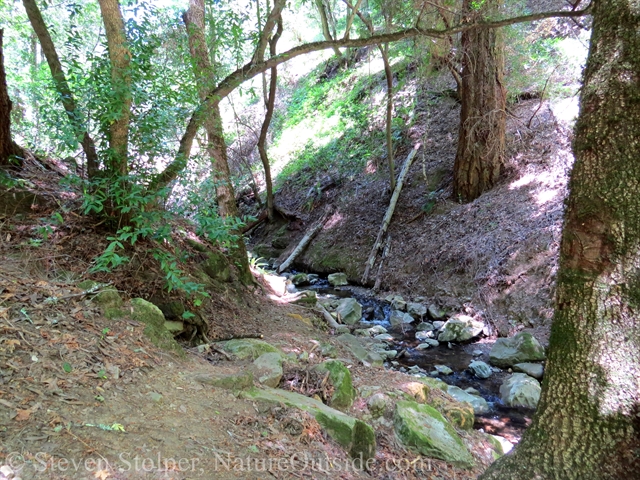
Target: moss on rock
pixel 152 317
pixel 340 377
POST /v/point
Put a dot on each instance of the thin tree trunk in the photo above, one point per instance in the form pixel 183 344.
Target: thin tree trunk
pixel 305 241
pixel 216 147
pixel 120 58
pixel 262 139
pixel 389 76
pixel 253 67
pixel 587 426
pixel 61 85
pixel 480 153
pixel 324 22
pixel 389 215
pixel 7 148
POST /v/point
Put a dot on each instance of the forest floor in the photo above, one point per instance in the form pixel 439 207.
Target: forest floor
pixel 84 397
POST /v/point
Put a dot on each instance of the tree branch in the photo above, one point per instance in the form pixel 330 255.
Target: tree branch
pixel 251 69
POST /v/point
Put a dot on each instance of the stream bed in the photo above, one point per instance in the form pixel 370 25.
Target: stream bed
pixel 501 420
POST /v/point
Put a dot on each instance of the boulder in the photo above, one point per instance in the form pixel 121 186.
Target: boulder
pixel 397 302
pixel 522 347
pixel 152 317
pixel 460 328
pixel 384 337
pixel 217 267
pixel 425 327
pixel 337 279
pixel 340 378
pixel 424 335
pixel 520 390
pixel 443 369
pixel 306 297
pixel 378 404
pixel 438 324
pixel 350 311
pixel 357 437
pixel 357 349
pixel 234 381
pixel 480 369
pixel 250 348
pixel 398 318
pixel 424 429
pixel 300 279
pixel 416 310
pixel 435 313
pixel 535 370
pixel 479 404
pixel 174 327
pixel 267 369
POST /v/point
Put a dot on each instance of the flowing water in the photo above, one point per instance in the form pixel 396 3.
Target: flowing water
pixel 501 420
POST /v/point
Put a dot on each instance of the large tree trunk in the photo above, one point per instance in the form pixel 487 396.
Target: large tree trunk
pixel 587 426
pixel 120 58
pixel 482 118
pixel 216 146
pixel 60 82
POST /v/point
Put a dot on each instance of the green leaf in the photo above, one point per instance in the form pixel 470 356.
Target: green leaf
pixel 66 366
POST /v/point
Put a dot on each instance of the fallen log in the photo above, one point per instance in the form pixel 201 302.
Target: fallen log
pixel 387 218
pixel 385 253
pixel 327 316
pixel 305 241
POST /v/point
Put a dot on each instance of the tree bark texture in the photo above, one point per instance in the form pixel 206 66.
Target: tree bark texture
pixel 61 85
pixel 271 102
pixel 324 22
pixel 587 426
pixel 6 143
pixel 480 153
pixel 216 146
pixel 120 58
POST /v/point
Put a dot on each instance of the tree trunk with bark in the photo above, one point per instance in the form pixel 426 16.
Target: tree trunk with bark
pixel 216 146
pixel 324 22
pixel 480 153
pixel 6 143
pixel 587 426
pixel 120 58
pixel 262 139
pixel 61 85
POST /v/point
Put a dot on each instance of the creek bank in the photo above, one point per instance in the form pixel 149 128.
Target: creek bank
pixel 421 339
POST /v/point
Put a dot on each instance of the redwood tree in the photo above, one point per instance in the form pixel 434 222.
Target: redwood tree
pixel 480 151
pixel 587 426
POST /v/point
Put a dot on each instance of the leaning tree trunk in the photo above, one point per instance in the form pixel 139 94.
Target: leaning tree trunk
pixel 120 58
pixel 271 103
pixel 61 85
pixel 482 117
pixel 216 146
pixel 324 22
pixel 587 426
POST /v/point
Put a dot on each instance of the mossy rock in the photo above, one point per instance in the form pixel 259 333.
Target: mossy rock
pixel 340 377
pixel 357 437
pixel 424 429
pixel 107 297
pixel 234 381
pixel 217 267
pixel 152 317
pixel 250 348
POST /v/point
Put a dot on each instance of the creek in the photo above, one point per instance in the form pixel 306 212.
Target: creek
pixel 501 420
